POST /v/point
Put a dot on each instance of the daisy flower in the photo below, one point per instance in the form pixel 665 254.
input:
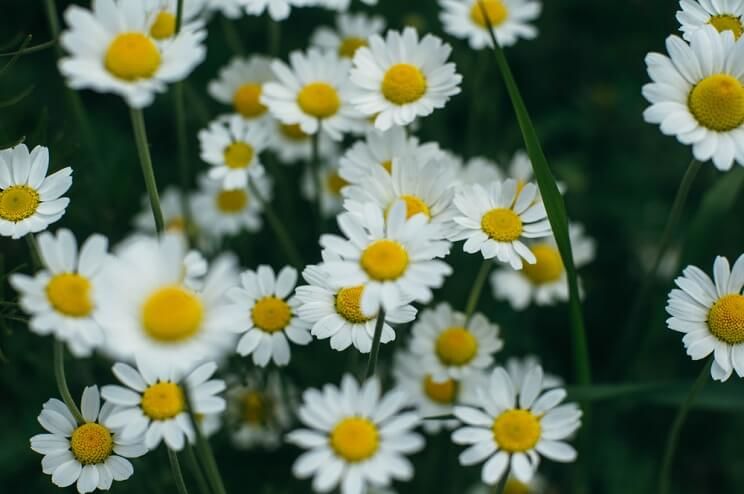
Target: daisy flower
pixel 331 184
pixel 510 19
pixel 30 200
pixel 112 50
pixel 352 32
pixel 153 401
pixel 162 18
pixel 510 430
pixel 277 9
pixel 494 220
pixel 240 85
pixel 723 15
pixel 478 170
pixel 394 258
pixel 313 92
pixel 62 298
pixel 697 95
pixel 449 347
pixel 268 315
pixel 171 204
pixel 518 368
pixel 543 282
pixel 401 77
pixel 711 314
pixel 356 437
pixel 336 313
pixel 92 454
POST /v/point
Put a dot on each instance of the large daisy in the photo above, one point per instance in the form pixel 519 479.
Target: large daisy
pixel 724 15
pixel 240 85
pixel 228 212
pixel 351 33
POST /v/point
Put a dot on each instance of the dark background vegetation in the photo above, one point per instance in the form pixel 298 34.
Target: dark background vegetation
pixel 582 80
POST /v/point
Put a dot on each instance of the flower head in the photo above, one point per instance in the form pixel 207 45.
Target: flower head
pixel 510 19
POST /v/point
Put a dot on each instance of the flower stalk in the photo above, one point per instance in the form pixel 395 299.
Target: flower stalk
pixel 177 474
pixel 143 151
pixel 375 351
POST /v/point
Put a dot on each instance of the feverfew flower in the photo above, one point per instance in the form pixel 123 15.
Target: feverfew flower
pixel 352 32
pixel 240 85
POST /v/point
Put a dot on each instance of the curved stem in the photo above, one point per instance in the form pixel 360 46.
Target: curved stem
pixel 59 375
pixel 196 470
pixel 281 233
pixel 375 351
pixel 177 474
pixel 205 453
pixel 476 289
pixel 33 247
pixel 143 151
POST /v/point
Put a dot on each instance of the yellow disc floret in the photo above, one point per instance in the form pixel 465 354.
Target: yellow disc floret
pixel 164 26
pixel 726 319
pixel 516 431
pixel 239 155
pixel 293 132
pixel 456 346
pixel 495 10
pixel 132 56
pixel 443 393
pixel 404 83
pixel 247 100
pixel 348 305
pixel 319 99
pixel 415 205
pixel 255 407
pixel 355 439
pixel 172 314
pixel 727 22
pixel 18 202
pixel 271 314
pixel 388 166
pixel 502 224
pixel 549 265
pixel 91 443
pixel 163 400
pixel 717 102
pixel 69 294
pixel 232 201
pixel 350 45
pixel 384 260
pixel 514 486
pixel 335 183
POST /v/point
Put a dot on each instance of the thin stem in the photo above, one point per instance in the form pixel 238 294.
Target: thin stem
pixel 59 375
pixel 317 180
pixel 177 474
pixel 476 289
pixel 196 470
pixel 281 233
pixel 143 150
pixel 33 247
pixel 179 15
pixel 207 457
pixel 232 38
pixel 679 420
pixel 501 486
pixel 275 38
pixel 375 352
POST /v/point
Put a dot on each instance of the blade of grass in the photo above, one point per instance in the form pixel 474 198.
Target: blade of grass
pixel 15 58
pixel 17 98
pixel 30 49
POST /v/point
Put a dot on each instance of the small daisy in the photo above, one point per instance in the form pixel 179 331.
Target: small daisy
pixel 520 169
pixel 228 212
pixel 711 314
pixel 92 454
pixel 352 32
pixel 240 85
pixel 697 95
pixel 478 170
pixel 723 15
pixel 63 297
pixel 543 282
pixel 356 437
pixel 268 315
pixel 519 367
pixel 336 313
pixel 153 401
pixel 291 144
pixel 400 78
pixel 510 19
pixel 171 204
pixel 29 199
pixel 395 258
pixel 494 220
pixel 510 430
pixel 162 18
pixel 313 92
pixel 277 9
pixel 449 347
pixel 112 50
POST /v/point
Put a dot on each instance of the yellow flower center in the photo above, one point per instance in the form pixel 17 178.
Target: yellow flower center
pixel 18 202
pixel 350 45
pixel 726 319
pixel 172 314
pixel 717 102
pixel 91 443
pixel 69 294
pixel 164 26
pixel 388 166
pixel 255 407
pixel 415 205
pixel 727 22
pixel 348 305
pixel 355 439
pixel 247 100
pixel 549 265
pixel 443 393
pixel 132 56
pixel 293 132
pixel 319 99
pixel 495 9
pixel 271 314
pixel 501 224
pixel 335 183
pixel 456 346
pixel 513 486
pixel 384 260
pixel 163 401
pixel 176 224
pixel 238 155
pixel 404 83
pixel 232 201
pixel 516 431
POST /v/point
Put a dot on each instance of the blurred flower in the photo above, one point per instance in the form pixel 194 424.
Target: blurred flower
pixel 232 9
pixel 331 184
pixel 240 84
pixel 510 19
pixel 223 212
pixel 513 486
pixel 352 32
pixel 162 17
pixel 277 9
pixel 171 205
pixel 722 15
pixel 340 5
pixel 291 144
pixel 518 368
pixel 478 170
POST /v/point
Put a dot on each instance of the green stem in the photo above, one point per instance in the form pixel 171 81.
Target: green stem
pixel 275 38
pixel 59 375
pixel 276 224
pixel 232 38
pixel 679 420
pixel 196 470
pixel 177 474
pixel 375 351
pixel 501 486
pixel 317 180
pixel 476 289
pixel 206 456
pixel 143 151
pixel 179 15
pixel 33 247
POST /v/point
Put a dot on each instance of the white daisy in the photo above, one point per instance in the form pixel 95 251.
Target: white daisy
pixel 352 32
pixel 277 9
pixel 724 15
pixel 518 368
pixel 356 438
pixel 449 347
pixel 228 212
pixel 510 19
pixel 510 430
pixel 162 18
pixel 313 92
pixel 29 200
pixel 394 257
pixel 171 204
pixel 711 314
pixel 697 94
pixel 400 78
pixel 153 401
pixel 291 144
pixel 111 49
pixel 92 454
pixel 495 219
pixel 62 298
pixel 268 315
pixel 520 169
pixel 331 183
pixel 240 85
pixel 478 170
pixel 544 282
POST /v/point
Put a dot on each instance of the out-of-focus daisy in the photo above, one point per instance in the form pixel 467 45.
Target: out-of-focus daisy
pixel 153 401
pixel 268 315
pixel 223 212
pixel 401 77
pixel 30 200
pixel 240 85
pixel 331 183
pixel 232 9
pixel 352 32
pixel 92 454
pixel 113 50
pixel 723 15
pixel 537 485
pixel 162 18
pixel 340 5
pixel 277 9
pixel 62 298
pixel 510 19
pixel 510 430
pixel 697 95
pixel 711 314
pixel 395 258
pixel 543 282
pixel 518 368
pixel 336 313
pixel 356 438
pixel 171 204
pixel 495 219
pixel 291 144
pixel 479 170
pixel 449 347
